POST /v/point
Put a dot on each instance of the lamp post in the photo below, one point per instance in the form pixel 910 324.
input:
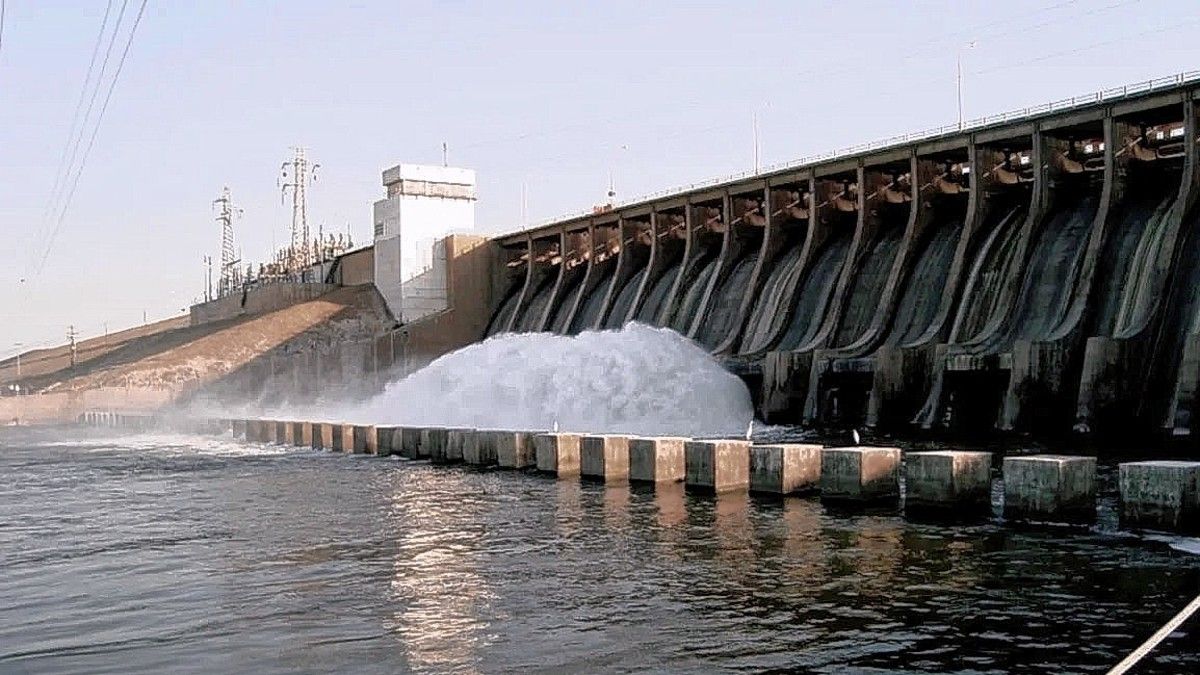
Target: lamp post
pixel 969 45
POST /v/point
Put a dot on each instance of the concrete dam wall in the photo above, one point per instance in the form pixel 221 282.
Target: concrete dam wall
pixel 1039 274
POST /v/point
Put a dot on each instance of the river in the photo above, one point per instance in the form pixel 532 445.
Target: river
pixel 173 553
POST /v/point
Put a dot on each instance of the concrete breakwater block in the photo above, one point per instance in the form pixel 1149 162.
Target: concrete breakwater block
pixel 322 436
pixel 456 442
pixel 304 434
pixel 513 450
pixel 1161 495
pixel 366 439
pixel 239 428
pixel 386 439
pixel 343 438
pixel 717 466
pixel 557 453
pixel 286 433
pixel 657 460
pixel 785 469
pixel 270 431
pixel 1050 488
pixel 951 480
pixel 298 437
pixel 604 458
pixel 433 441
pixel 860 474
pixel 479 447
pixel 410 442
pixel 256 431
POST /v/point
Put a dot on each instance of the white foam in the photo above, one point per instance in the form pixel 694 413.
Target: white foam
pixel 636 380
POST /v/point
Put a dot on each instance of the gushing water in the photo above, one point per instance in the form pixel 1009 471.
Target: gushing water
pixel 637 380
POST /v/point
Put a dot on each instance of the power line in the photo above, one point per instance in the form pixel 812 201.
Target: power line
pixel 76 139
pixel 92 141
pixel 75 136
pixel 62 170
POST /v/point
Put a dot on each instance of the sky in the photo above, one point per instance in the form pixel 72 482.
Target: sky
pixel 550 95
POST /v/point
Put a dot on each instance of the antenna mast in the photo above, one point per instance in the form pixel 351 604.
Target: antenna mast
pixel 295 175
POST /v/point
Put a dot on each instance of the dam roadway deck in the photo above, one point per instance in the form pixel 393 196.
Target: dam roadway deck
pixel 1029 271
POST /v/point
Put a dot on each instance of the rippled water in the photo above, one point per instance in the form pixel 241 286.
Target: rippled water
pixel 189 554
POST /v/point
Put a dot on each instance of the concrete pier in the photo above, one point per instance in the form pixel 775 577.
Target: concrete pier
pixel 860 474
pixel 557 453
pixel 410 442
pixel 479 447
pixel 239 428
pixel 287 433
pixel 1050 488
pixel 604 458
pixel 456 442
pixel 385 437
pixel 323 436
pixel 343 438
pixel 785 469
pixel 717 466
pixel 1162 495
pixel 270 431
pixel 513 450
pixel 657 460
pixel 256 431
pixel 951 481
pixel 433 440
pixel 366 439
pixel 297 437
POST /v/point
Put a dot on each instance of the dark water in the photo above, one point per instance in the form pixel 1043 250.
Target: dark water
pixel 995 262
pixel 531 319
pixel 726 303
pixel 499 322
pixel 593 302
pixel 1052 274
pixel 186 554
pixel 656 296
pixel 624 300
pixel 693 295
pixel 923 290
pixel 1136 241
pixel 814 294
pixel 572 286
pixel 867 286
pixel 769 313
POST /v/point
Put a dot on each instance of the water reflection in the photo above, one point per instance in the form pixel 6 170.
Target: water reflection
pixel 440 597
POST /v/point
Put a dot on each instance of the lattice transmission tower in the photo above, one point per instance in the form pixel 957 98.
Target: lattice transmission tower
pixel 230 262
pixel 295 175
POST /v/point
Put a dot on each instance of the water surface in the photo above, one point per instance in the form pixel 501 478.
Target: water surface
pixel 162 553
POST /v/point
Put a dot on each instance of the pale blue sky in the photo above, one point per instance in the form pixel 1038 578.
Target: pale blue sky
pixel 552 94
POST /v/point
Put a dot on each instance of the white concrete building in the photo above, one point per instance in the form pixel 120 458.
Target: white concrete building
pixel 423 205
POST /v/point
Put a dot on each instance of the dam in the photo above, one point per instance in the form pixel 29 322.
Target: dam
pixel 1032 272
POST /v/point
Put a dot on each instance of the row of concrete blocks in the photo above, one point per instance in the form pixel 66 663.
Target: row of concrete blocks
pixel 1037 488
pixel 115 420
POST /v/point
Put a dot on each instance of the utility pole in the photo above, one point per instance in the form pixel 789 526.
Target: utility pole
pixel 71 339
pixel 445 154
pixel 969 45
pixel 524 203
pixel 226 212
pixel 295 175
pixel 754 126
pixel 208 296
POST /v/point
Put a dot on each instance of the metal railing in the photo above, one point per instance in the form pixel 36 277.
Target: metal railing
pixel 1110 94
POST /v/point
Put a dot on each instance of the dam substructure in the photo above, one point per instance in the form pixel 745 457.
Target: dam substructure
pixel 1031 272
